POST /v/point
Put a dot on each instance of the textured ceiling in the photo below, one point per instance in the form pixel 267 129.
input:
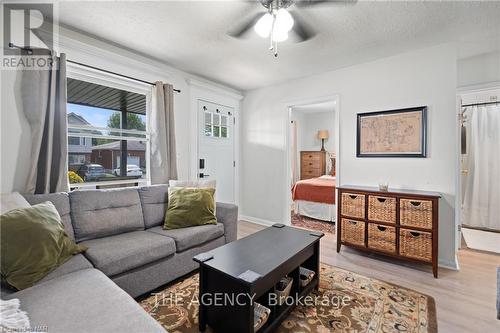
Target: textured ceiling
pixel 192 36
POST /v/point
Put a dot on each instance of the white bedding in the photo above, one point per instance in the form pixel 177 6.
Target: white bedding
pixel 315 210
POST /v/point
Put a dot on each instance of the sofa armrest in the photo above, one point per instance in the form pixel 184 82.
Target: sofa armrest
pixel 227 214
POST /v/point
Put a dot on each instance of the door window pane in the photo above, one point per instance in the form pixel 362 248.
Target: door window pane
pixel 223 132
pixel 216 131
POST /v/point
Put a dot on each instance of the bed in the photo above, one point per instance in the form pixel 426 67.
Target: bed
pixel 315 198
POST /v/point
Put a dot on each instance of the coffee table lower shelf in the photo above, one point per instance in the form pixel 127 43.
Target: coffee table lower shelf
pixel 279 313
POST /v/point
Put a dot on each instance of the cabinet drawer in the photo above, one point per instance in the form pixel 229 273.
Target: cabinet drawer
pixel 416 213
pixel 353 232
pixel 311 157
pixel 382 237
pixel 415 244
pixel 353 205
pixel 382 209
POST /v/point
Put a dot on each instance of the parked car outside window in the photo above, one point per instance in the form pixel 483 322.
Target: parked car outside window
pixel 90 172
pixel 132 171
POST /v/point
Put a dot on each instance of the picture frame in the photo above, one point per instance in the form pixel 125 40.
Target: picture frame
pixel 392 133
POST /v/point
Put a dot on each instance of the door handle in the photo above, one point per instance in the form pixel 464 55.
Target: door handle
pixel 202 175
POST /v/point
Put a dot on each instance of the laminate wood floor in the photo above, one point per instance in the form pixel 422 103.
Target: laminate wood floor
pixel 465 299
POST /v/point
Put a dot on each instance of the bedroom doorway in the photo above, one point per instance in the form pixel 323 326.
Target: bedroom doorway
pixel 313 144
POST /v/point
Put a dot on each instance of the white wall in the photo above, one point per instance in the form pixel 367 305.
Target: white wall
pixel 309 126
pixel 421 77
pixel 15 132
pixel 480 69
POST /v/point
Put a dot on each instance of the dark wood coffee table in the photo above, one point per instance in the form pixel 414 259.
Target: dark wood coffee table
pixel 253 266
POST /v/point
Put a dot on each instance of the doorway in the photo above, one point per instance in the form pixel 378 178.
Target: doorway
pixel 216 148
pixel 480 170
pixel 312 164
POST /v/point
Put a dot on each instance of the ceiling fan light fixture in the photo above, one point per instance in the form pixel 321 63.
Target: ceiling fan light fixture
pixel 264 25
pixel 284 20
pixel 279 35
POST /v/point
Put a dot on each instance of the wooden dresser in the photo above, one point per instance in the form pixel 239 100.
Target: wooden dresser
pixel 312 164
pixel 399 223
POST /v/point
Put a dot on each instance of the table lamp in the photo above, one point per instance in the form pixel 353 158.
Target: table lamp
pixel 323 134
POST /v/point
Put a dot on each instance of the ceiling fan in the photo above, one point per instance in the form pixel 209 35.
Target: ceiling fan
pixel 279 19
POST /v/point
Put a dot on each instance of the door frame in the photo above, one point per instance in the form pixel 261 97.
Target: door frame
pixel 475 92
pixel 289 106
pixel 200 90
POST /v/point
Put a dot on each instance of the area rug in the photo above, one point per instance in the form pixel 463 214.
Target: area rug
pixel 346 302
pixel 312 224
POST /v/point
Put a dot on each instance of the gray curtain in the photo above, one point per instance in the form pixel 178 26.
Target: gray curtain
pixel 43 95
pixel 163 160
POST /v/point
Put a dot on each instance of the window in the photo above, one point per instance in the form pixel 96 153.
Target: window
pixel 107 138
pixel 216 125
pixel 74 141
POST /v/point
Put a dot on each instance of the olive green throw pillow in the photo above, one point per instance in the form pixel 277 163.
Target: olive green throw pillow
pixel 33 243
pixel 189 207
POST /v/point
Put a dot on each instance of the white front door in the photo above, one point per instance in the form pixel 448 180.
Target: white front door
pixel 216 148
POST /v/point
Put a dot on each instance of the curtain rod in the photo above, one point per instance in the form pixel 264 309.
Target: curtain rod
pixel 485 103
pixel 30 51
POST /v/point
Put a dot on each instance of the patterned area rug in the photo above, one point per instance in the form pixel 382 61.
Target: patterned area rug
pixel 347 302
pixel 312 224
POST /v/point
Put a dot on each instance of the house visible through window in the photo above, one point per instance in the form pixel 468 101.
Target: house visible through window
pixel 107 139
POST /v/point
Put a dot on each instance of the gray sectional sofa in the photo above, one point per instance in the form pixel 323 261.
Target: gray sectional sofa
pixel 129 254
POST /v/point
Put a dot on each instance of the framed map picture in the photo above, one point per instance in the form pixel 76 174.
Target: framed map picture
pixel 395 133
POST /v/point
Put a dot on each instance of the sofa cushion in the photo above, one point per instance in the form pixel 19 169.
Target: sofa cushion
pixel 61 202
pixel 120 253
pixel 75 263
pixel 84 301
pixel 100 213
pixel 9 201
pixel 154 201
pixel 186 238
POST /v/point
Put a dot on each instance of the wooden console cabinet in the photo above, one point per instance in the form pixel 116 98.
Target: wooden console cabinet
pixel 398 223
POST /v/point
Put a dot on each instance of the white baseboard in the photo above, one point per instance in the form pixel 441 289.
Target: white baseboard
pixel 256 220
pixel 449 264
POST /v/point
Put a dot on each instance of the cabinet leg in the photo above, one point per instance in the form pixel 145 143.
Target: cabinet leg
pixel 435 269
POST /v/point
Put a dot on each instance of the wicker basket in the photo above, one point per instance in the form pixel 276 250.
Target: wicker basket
pixel 283 289
pixel 382 209
pixel 353 205
pixel 382 238
pixel 416 213
pixel 415 244
pixel 305 276
pixel 260 316
pixel 353 232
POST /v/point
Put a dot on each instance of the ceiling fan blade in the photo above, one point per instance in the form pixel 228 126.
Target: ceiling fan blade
pixel 311 3
pixel 241 29
pixel 303 30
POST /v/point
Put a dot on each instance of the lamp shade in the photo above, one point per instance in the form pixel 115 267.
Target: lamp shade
pixel 322 134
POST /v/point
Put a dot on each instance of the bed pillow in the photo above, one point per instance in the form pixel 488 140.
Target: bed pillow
pixel 33 243
pixel 189 207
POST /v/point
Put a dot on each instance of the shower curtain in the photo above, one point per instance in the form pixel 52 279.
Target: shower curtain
pixel 481 203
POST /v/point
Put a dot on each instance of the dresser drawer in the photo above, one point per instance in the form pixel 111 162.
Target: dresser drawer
pixel 311 157
pixel 353 205
pixel 382 238
pixel 353 232
pixel 382 209
pixel 416 213
pixel 415 244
